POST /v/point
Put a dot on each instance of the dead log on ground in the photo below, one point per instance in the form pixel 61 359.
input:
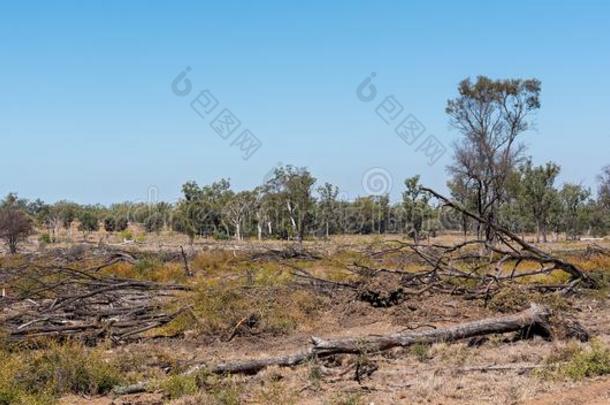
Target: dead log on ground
pixel 531 321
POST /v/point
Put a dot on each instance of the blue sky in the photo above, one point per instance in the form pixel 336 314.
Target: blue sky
pixel 87 112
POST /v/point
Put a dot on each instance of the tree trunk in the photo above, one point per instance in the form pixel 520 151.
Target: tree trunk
pixel 12 245
pixel 532 320
pixel 544 233
pixel 293 222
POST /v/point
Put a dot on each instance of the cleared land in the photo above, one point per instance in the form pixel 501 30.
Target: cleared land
pixel 89 323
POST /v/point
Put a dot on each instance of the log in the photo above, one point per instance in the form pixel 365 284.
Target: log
pixel 532 320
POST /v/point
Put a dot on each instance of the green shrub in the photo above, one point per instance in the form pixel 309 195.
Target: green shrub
pixel 178 386
pixel 577 361
pixel 221 235
pixel 121 224
pixel 126 234
pixel 45 238
pixel 109 224
pixel 591 362
pixel 420 351
pixel 68 368
pixel 42 376
pixel 154 223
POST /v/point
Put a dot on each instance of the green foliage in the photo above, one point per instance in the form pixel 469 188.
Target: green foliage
pixel 420 351
pixel 291 187
pixel 121 224
pixel 115 224
pixel 537 196
pixel 416 207
pixel 44 375
pixel 576 361
pixel 15 224
pixel 589 362
pixel 178 386
pixel 88 221
pixel 154 223
pixel 327 208
pixel 45 238
pixel 126 235
pixel 109 224
pixel 490 115
pixel 200 211
pixel 573 201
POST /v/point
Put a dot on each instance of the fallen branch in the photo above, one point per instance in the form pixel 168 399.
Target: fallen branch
pixel 509 238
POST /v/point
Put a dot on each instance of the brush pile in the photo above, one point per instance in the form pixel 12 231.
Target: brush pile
pixel 58 301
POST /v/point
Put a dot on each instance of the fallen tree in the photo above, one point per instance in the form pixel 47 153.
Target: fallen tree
pixel 511 247
pixel 532 321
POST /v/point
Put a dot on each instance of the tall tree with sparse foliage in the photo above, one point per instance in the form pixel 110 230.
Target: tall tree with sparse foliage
pixel 490 115
pixel 328 207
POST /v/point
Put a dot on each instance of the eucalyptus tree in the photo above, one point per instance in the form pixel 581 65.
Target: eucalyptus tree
pixel 573 199
pixel 237 209
pixel 199 213
pixel 490 115
pixel 417 209
pixel 328 207
pixel 292 187
pixel 538 196
pixel 603 195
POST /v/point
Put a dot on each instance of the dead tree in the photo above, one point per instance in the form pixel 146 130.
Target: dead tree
pixel 494 256
pixel 532 321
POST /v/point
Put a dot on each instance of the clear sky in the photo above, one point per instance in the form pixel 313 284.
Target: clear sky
pixel 87 110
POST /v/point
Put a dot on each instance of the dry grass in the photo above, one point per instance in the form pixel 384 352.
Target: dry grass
pixel 42 376
pixel 255 303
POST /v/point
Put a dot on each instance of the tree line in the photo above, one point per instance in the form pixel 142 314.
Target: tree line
pixel 490 174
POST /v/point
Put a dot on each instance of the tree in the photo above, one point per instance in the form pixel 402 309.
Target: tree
pixel 236 210
pixel 490 115
pixel 199 213
pixel 604 188
pixel 110 224
pixel 262 207
pixel 88 222
pixel 600 217
pixel 328 206
pixel 292 186
pixel 416 206
pixel 154 223
pixel 62 214
pixel 121 223
pixel 573 198
pixel 462 191
pixel 15 224
pixel 538 195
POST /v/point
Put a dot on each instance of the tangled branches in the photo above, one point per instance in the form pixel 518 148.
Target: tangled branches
pixel 63 302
